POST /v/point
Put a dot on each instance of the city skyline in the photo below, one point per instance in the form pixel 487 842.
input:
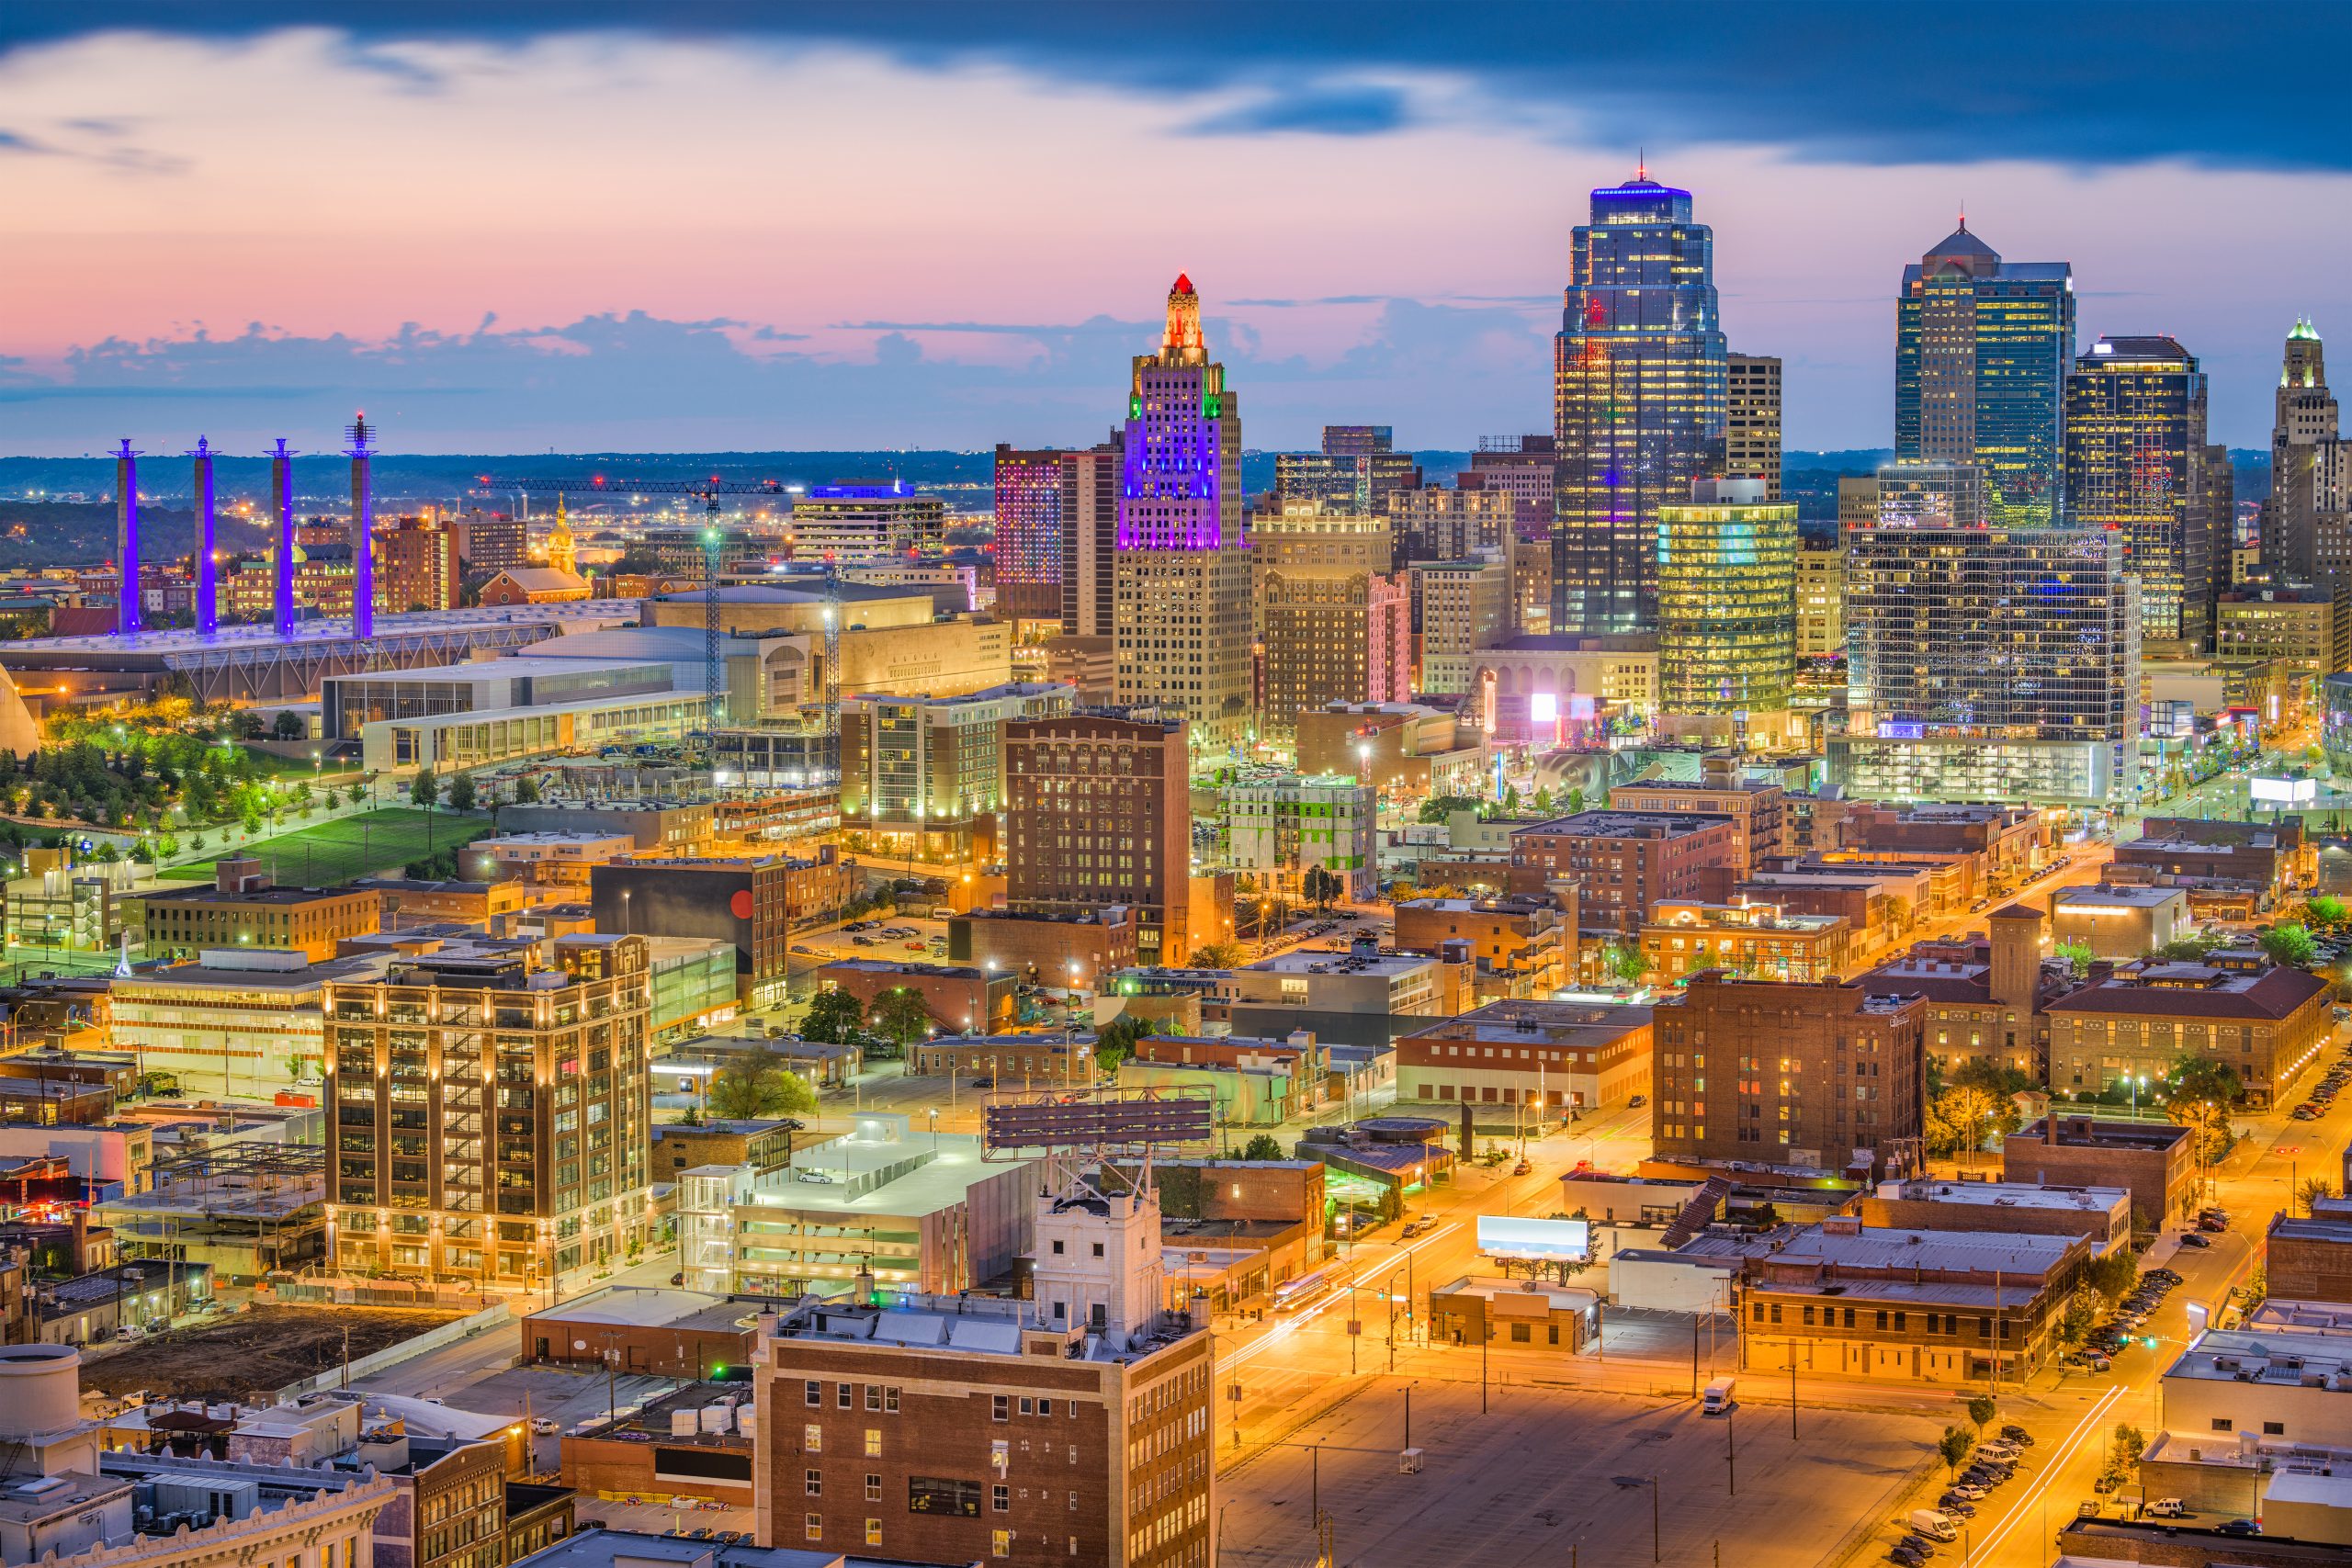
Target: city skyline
pixel 450 227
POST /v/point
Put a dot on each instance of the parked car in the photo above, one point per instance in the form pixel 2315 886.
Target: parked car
pixel 2017 1434
pixel 1636 1102
pixel 2238 1526
pixel 2190 1238
pixel 543 1426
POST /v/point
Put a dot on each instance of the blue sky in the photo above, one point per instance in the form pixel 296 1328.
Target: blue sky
pixel 611 226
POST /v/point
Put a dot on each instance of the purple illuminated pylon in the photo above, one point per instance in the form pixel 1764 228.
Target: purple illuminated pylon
pixel 208 599
pixel 281 506
pixel 363 528
pixel 125 538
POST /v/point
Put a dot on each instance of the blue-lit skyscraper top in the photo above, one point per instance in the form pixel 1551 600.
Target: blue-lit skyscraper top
pixel 1640 398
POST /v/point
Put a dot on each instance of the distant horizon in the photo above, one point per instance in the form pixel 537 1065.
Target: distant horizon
pixel 498 234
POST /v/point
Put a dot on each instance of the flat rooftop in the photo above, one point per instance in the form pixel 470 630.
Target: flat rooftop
pixel 518 665
pixel 880 1178
pixel 1624 824
pixel 593 1546
pixel 965 1325
pixel 1537 1022
pixel 1338 961
pixel 650 1306
pixel 2309 1359
pixel 1879 1248
pixel 2008 1195
pixel 2123 895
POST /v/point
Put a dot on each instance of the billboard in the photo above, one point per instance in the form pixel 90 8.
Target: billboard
pixel 2281 791
pixel 1086 1121
pixel 1502 1236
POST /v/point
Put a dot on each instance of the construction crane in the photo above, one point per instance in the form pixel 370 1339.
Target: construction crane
pixel 713 539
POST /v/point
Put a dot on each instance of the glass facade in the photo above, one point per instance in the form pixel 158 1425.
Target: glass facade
pixel 1726 606
pixel 2135 449
pixel 1982 350
pixel 1993 635
pixel 1639 399
pixel 1037 510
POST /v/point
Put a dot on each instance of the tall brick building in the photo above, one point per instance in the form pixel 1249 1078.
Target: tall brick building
pixel 1787 1072
pixel 1098 811
pixel 1623 862
pixel 1073 1428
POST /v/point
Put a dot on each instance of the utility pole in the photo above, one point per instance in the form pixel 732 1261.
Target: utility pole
pixel 1792 1390
pixel 1654 1530
pixel 1731 1456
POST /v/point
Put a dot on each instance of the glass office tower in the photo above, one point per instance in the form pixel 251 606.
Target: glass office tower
pixel 1981 355
pixel 1639 399
pixel 1727 599
pixel 1990 660
pixel 2135 451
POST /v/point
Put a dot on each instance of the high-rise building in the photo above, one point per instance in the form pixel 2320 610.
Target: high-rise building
pixel 1037 505
pixel 2305 462
pixel 1528 469
pixel 1278 828
pixel 1821 601
pixel 2135 451
pixel 1431 523
pixel 1981 353
pixel 1358 469
pixel 1989 664
pixel 1727 599
pixel 860 521
pixel 1752 420
pixel 417 562
pixel 1461 606
pixel 2218 503
pixel 1921 493
pixel 491 1119
pixel 1335 624
pixel 1857 499
pixel 1638 408
pixel 925 776
pixel 1098 811
pixel 1183 563
pixel 490 543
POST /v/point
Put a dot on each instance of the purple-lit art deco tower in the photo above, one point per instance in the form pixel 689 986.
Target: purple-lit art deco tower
pixel 1182 581
pixel 208 599
pixel 125 538
pixel 281 514
pixel 363 528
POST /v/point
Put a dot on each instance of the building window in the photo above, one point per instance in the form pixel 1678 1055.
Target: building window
pixel 874 1442
pixel 874 1396
pixel 999 1543
pixel 890 1400
pixel 815 1392
pixel 813 1483
pixel 1000 1408
pixel 874 1532
pixel 873 1487
pixel 812 1526
pixel 842 1397
pixel 2274 1428
pixel 1001 1499
pixel 2223 1423
pixel 812 1439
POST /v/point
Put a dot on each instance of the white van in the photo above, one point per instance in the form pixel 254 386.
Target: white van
pixel 1717 1399
pixel 1935 1526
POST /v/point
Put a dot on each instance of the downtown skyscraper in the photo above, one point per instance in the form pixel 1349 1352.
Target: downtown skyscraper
pixel 1981 348
pixel 2135 458
pixel 2303 533
pixel 1181 576
pixel 1639 399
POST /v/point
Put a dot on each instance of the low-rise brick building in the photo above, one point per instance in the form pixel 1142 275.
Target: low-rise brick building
pixel 1508 1056
pixel 1049 948
pixel 2310 1259
pixel 1758 808
pixel 1782 1073
pixel 1683 936
pixel 2153 1161
pixel 2266 1021
pixel 1523 945
pixel 758 1145
pixel 1621 863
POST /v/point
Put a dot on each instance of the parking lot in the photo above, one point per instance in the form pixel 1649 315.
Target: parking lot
pixel 1547 1475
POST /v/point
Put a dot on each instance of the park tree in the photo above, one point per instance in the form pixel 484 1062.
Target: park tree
pixel 426 788
pixel 749 1089
pixel 2290 943
pixel 288 726
pixel 462 793
pixel 1953 1447
pixel 1115 1042
pixel 834 1018
pixel 900 1014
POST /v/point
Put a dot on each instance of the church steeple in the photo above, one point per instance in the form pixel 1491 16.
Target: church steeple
pixel 562 554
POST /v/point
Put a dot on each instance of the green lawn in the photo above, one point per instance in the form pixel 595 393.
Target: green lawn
pixel 363 845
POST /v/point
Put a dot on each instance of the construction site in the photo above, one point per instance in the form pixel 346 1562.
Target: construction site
pixel 252 1354
pixel 247 1209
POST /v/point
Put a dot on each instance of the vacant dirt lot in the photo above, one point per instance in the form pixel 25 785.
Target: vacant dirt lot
pixel 256 1351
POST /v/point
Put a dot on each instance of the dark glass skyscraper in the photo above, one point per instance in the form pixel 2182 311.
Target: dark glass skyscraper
pixel 1639 399
pixel 1981 348
pixel 2135 456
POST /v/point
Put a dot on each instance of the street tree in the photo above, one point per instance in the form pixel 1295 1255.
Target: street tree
pixel 2113 1275
pixel 2311 1189
pixel 1953 1447
pixel 2324 910
pixel 1115 1042
pixel 2290 943
pixel 901 1015
pixel 1981 1411
pixel 1263 1147
pixel 750 1090
pixel 834 1018
pixel 1218 955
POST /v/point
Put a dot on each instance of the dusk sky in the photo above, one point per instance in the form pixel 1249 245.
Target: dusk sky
pixel 698 226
